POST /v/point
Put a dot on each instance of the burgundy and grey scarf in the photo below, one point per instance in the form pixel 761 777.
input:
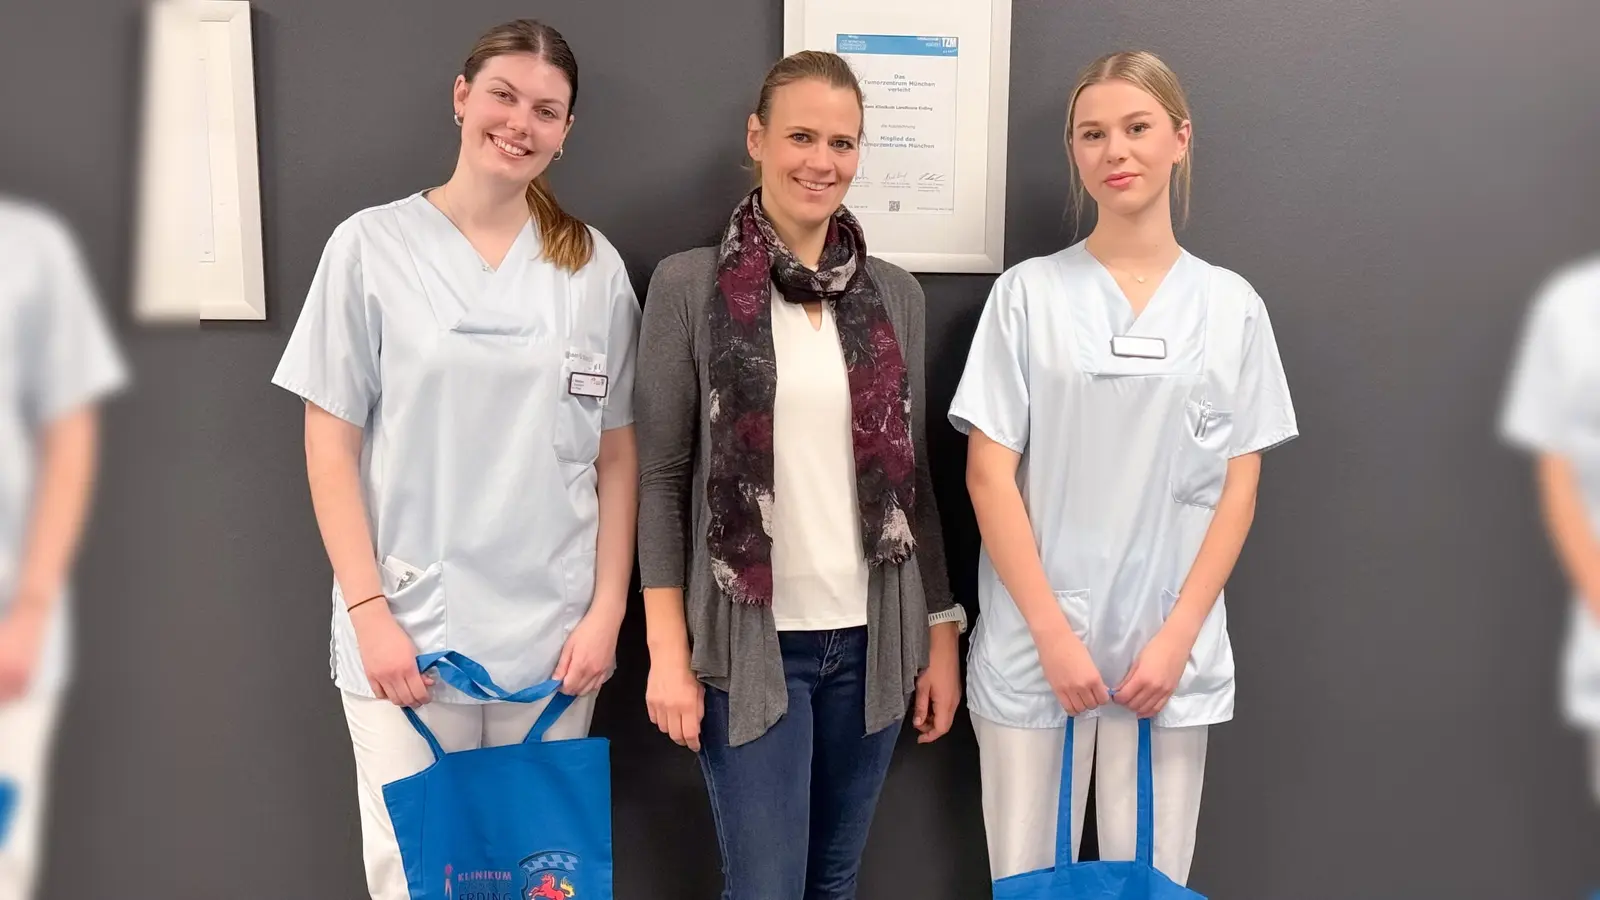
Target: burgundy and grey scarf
pixel 744 379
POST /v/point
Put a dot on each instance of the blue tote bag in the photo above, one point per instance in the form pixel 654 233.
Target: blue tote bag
pixel 1103 880
pixel 528 821
pixel 8 806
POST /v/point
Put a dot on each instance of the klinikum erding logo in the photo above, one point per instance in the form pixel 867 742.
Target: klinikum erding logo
pixel 550 874
pixel 479 884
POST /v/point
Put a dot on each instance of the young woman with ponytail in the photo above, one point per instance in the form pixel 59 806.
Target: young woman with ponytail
pixel 466 358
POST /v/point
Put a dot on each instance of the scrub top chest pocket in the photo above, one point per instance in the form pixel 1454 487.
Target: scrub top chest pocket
pixel 1200 463
pixel 580 405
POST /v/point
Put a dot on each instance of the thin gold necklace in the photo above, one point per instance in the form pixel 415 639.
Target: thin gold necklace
pixel 1141 279
pixel 449 209
pixel 450 213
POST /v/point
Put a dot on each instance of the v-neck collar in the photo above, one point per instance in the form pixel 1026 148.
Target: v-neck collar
pixel 515 251
pixel 1100 311
pixel 464 294
pixel 1122 312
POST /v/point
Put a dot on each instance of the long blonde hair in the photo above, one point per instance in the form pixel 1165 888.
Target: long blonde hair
pixel 567 241
pixel 1146 71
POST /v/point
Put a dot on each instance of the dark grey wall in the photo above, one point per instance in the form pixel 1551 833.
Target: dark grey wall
pixel 1393 175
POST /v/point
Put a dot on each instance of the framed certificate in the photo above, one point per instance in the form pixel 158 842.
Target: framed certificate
pixel 935 75
pixel 198 238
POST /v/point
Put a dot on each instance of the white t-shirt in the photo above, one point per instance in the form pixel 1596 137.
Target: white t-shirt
pixel 819 570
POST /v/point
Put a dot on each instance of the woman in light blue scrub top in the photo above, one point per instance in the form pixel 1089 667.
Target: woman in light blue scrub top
pixel 1117 398
pixel 58 363
pixel 466 357
pixel 1552 410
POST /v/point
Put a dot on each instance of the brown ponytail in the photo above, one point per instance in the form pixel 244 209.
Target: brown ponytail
pixel 566 241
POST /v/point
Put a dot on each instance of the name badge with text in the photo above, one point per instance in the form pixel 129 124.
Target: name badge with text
pixel 583 384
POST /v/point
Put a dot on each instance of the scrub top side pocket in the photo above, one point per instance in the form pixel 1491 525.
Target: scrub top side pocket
pixel 1210 665
pixel 577 585
pixel 1200 462
pixel 1017 664
pixel 416 598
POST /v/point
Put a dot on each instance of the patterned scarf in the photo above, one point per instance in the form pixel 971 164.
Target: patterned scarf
pixel 744 380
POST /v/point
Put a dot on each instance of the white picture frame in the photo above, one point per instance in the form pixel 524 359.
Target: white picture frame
pixel 936 75
pixel 198 228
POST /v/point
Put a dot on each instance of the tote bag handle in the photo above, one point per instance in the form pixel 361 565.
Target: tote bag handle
pixel 8 806
pixel 472 679
pixel 1145 841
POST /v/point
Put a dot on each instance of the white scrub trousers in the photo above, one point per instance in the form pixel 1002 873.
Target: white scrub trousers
pixel 387 749
pixel 27 736
pixel 1021 771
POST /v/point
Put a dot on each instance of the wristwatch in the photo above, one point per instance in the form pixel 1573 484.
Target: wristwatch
pixel 956 613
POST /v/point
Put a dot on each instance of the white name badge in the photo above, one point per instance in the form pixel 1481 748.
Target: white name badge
pixel 582 384
pixel 1128 345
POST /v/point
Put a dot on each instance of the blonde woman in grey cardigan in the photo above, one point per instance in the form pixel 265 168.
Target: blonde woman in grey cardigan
pixel 795 585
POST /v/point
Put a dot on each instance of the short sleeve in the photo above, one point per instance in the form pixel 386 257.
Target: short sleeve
pixel 622 350
pixel 1263 414
pixel 993 394
pixel 71 358
pixel 332 357
pixel 1537 406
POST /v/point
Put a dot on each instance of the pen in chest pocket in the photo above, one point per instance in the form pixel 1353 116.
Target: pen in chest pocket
pixel 1205 419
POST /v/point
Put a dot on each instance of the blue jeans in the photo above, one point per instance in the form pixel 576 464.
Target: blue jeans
pixel 792 807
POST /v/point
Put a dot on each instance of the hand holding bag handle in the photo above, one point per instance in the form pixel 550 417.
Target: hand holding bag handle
pixel 488 809
pixel 472 679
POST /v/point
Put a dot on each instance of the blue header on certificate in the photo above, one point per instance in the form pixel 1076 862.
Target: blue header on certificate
pixel 897 44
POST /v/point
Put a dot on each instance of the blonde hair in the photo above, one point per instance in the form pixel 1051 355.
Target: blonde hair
pixel 1146 71
pixel 566 240
pixel 828 68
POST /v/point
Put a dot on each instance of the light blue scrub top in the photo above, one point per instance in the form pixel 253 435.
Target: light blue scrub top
pixel 478 460
pixel 56 356
pixel 1123 462
pixel 1552 406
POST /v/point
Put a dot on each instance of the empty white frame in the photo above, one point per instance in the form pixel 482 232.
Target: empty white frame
pixel 936 77
pixel 198 236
